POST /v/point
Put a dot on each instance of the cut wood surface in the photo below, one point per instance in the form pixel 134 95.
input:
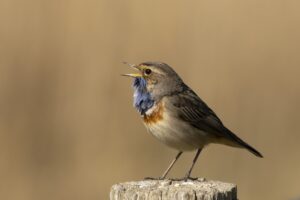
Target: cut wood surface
pixel 199 189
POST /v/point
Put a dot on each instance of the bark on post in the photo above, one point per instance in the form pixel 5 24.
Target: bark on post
pixel 199 189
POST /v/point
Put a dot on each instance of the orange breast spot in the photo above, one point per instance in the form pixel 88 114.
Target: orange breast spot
pixel 155 116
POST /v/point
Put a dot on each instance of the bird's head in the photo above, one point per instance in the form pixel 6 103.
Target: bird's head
pixel 156 78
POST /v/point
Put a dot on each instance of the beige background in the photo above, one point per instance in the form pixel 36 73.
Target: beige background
pixel 67 126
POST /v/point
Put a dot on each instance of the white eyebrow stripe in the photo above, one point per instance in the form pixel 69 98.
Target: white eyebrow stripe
pixel 156 71
pixel 153 68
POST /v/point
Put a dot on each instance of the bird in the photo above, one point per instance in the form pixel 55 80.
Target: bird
pixel 174 114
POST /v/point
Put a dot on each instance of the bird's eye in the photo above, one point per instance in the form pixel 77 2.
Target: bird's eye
pixel 148 71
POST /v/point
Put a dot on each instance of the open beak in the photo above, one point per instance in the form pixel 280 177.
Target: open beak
pixel 132 75
pixel 135 67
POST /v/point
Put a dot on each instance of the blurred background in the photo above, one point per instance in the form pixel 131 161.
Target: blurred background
pixel 67 126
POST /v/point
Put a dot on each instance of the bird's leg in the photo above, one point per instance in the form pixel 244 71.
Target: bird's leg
pixel 171 165
pixel 187 176
pixel 169 168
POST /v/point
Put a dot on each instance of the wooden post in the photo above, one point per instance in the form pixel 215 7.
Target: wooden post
pixel 199 189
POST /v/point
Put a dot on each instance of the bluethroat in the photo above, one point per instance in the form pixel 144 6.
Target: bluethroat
pixel 174 114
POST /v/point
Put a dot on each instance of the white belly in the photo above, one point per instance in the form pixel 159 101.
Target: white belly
pixel 178 134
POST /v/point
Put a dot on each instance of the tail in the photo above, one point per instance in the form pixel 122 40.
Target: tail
pixel 241 143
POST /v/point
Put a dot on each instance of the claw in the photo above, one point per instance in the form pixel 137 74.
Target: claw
pixel 186 178
pixel 152 178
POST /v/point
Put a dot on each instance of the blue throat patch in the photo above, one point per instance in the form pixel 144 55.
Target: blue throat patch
pixel 142 99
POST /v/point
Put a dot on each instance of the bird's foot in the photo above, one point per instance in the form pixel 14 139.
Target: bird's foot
pixel 154 178
pixel 186 178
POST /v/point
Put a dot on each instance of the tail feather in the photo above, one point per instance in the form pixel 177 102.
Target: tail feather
pixel 242 143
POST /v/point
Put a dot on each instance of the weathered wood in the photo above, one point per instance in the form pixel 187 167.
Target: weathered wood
pixel 199 189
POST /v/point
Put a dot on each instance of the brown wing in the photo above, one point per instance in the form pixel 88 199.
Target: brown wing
pixel 194 111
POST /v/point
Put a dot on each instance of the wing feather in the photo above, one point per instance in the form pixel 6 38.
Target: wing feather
pixel 194 111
